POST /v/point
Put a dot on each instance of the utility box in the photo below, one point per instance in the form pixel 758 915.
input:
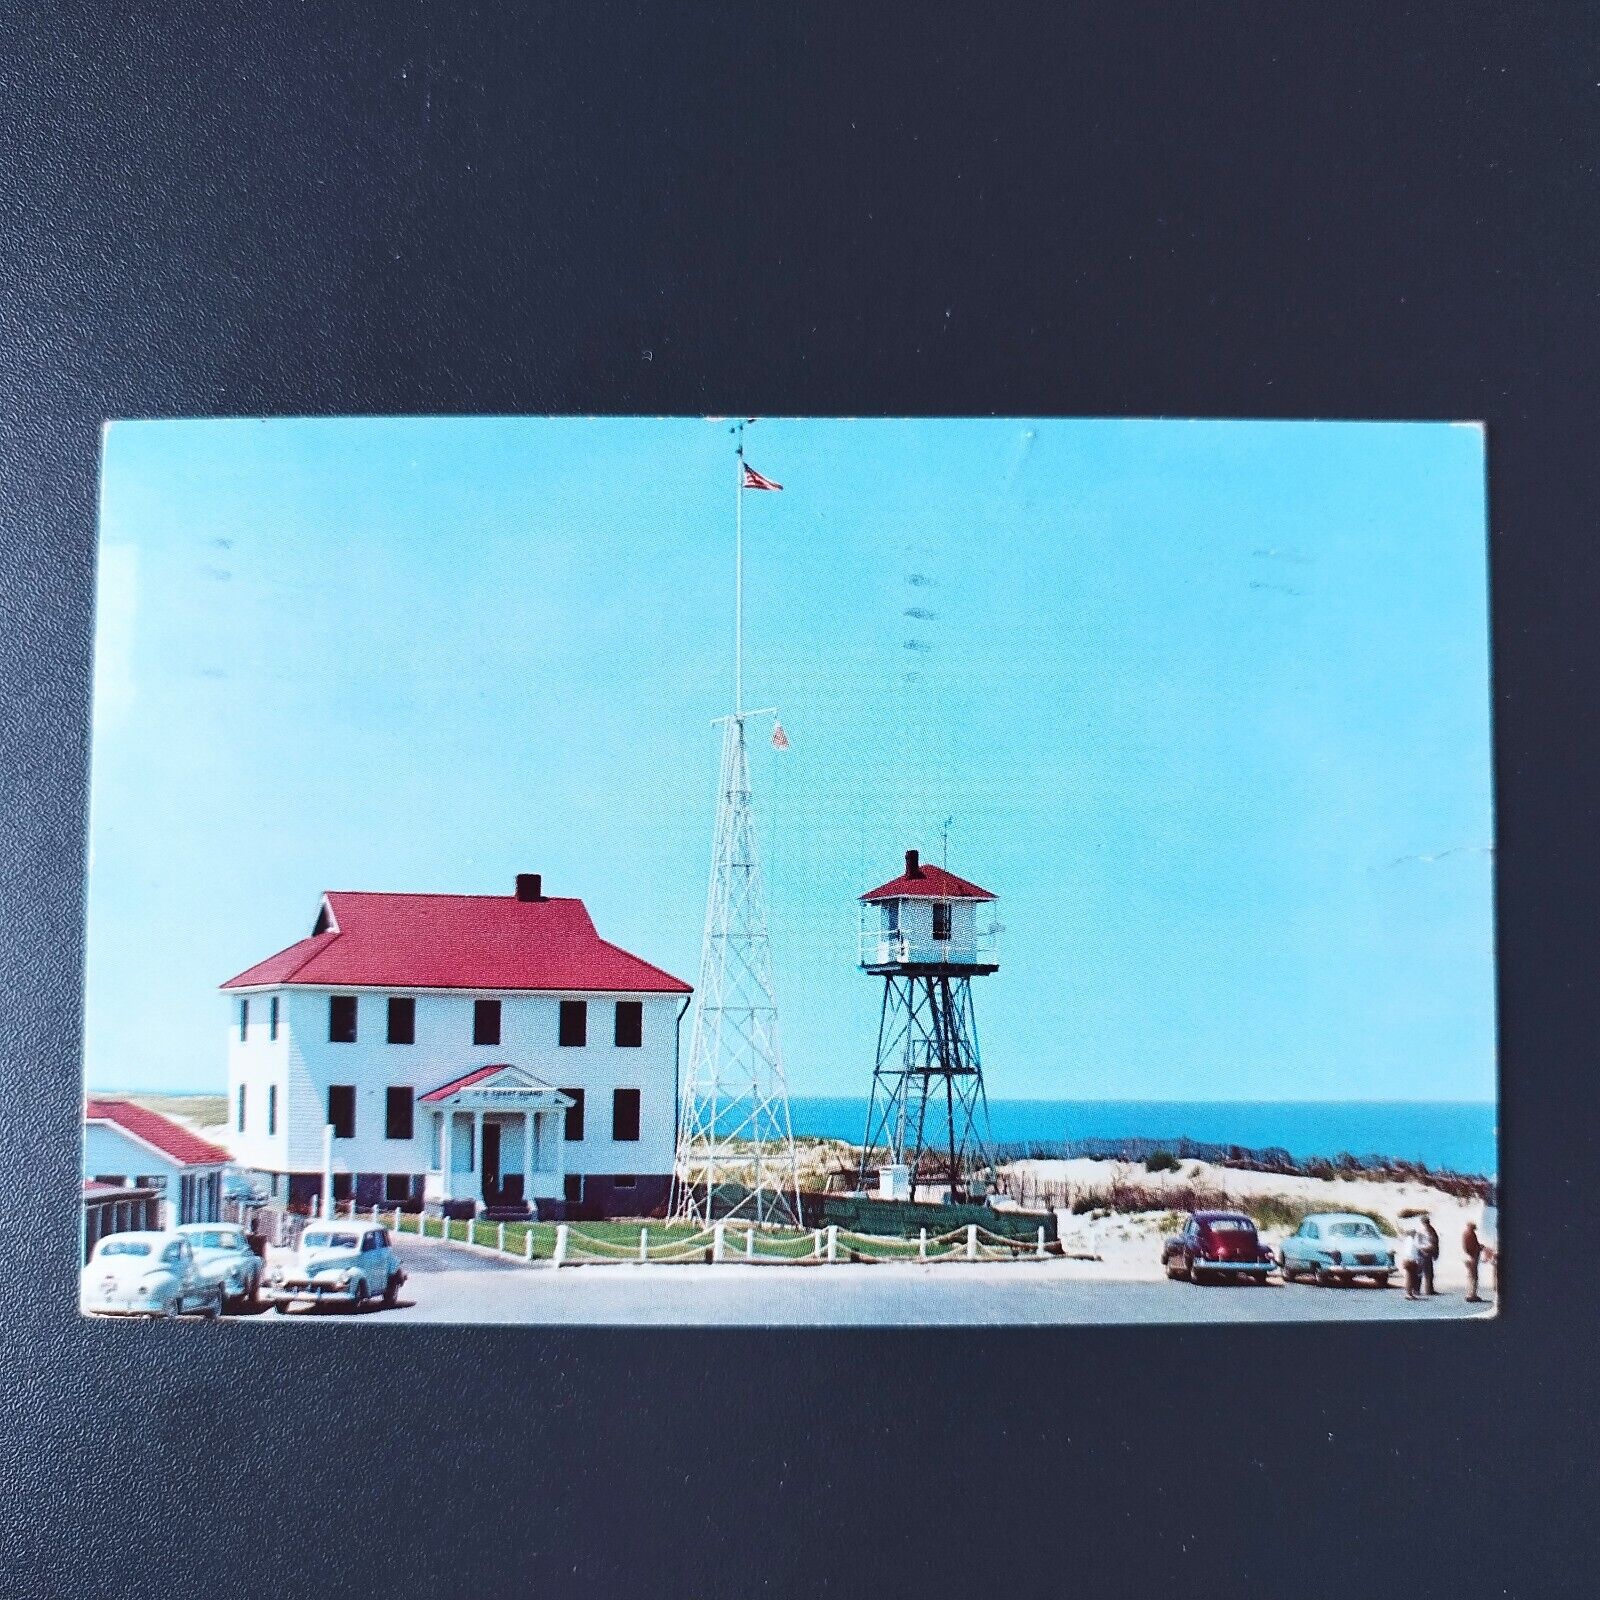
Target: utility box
pixel 894 1183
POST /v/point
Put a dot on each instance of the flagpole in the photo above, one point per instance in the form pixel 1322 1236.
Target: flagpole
pixel 738 572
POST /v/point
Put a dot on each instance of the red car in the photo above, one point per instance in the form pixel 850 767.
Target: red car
pixel 1217 1244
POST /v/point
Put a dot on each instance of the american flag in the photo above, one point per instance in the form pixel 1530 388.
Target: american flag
pixel 780 740
pixel 754 480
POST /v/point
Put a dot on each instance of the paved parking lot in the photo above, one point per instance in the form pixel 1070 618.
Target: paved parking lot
pixel 447 1283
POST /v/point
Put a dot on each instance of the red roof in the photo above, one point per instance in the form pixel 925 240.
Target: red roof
pixel 930 883
pixel 172 1139
pixel 466 1081
pixel 458 941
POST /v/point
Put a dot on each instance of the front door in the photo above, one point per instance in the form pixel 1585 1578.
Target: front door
pixel 491 1162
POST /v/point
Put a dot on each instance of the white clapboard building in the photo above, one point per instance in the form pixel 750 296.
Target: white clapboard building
pixel 490 1049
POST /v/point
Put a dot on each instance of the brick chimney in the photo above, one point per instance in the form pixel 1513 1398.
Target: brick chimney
pixel 530 886
pixel 913 864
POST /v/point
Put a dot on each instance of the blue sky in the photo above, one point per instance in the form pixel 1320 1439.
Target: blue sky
pixel 1207 701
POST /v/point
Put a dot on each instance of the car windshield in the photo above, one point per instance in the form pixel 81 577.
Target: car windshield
pixel 1230 1225
pixel 217 1239
pixel 124 1247
pixel 330 1241
pixel 1353 1230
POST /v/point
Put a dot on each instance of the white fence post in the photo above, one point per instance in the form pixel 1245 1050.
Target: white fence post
pixel 500 1237
pixel 561 1244
pixel 644 1243
pixel 527 1243
pixel 833 1241
pixel 719 1241
pixel 922 1245
pixel 374 1210
pixel 972 1241
pixel 750 1244
pixel 1041 1241
pixel 816 1241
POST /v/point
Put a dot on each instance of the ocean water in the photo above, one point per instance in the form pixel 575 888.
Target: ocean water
pixel 1454 1134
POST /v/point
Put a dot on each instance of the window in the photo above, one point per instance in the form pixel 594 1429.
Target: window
pixel 891 918
pixel 241 1108
pixel 341 1019
pixel 624 1180
pixel 574 1114
pixel 574 1022
pixel 630 1023
pixel 272 1108
pixel 343 1189
pixel 941 919
pixel 397 1120
pixel 625 1114
pixel 396 1187
pixel 486 1022
pixel 402 1020
pixel 571 1189
pixel 342 1109
pixel 244 1020
pixel 272 1017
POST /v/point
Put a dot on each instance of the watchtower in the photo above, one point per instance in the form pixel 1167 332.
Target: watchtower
pixel 927 934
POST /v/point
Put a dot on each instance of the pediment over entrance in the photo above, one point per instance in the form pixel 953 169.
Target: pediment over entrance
pixel 501 1087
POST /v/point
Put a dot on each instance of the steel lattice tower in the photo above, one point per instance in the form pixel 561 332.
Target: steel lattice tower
pixel 929 1110
pixel 736 1154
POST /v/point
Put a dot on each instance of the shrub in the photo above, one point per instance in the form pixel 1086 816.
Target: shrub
pixel 1161 1161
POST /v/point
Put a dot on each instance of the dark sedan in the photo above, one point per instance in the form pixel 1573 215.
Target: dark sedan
pixel 1217 1244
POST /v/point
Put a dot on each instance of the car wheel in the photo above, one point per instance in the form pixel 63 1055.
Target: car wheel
pixel 1319 1276
pixel 358 1302
pixel 1196 1276
pixel 391 1291
pixel 172 1308
pixel 212 1309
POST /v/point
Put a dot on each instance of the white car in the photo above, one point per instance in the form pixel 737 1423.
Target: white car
pixel 349 1263
pixel 223 1254
pixel 1337 1247
pixel 147 1275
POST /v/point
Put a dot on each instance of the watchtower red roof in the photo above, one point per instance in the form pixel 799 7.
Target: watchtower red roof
pixel 918 882
pixel 457 941
pixel 172 1139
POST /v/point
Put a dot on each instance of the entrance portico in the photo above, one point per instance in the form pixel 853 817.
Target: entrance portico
pixel 498 1137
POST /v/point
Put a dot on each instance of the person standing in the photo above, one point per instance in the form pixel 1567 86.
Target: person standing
pixel 1411 1262
pixel 1472 1249
pixel 1430 1253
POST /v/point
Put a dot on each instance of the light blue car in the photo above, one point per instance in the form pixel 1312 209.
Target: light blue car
pixel 1337 1247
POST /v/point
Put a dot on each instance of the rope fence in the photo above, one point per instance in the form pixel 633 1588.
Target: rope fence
pixel 562 1244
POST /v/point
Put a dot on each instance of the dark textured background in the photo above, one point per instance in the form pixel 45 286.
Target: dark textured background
pixel 1342 210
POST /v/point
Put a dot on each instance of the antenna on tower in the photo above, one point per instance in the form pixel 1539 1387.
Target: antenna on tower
pixel 736 1153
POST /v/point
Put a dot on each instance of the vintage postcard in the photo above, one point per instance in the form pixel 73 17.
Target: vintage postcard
pixel 790 871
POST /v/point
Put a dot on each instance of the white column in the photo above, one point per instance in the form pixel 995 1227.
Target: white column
pixel 327 1169
pixel 477 1158
pixel 561 1154
pixel 527 1156
pixel 447 1129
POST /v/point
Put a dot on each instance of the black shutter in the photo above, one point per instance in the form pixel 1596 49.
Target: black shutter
pixel 574 1114
pixel 625 1114
pixel 630 1023
pixel 341 1019
pixel 574 1022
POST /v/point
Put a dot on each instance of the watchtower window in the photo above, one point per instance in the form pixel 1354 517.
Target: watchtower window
pixel 941 919
pixel 891 918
